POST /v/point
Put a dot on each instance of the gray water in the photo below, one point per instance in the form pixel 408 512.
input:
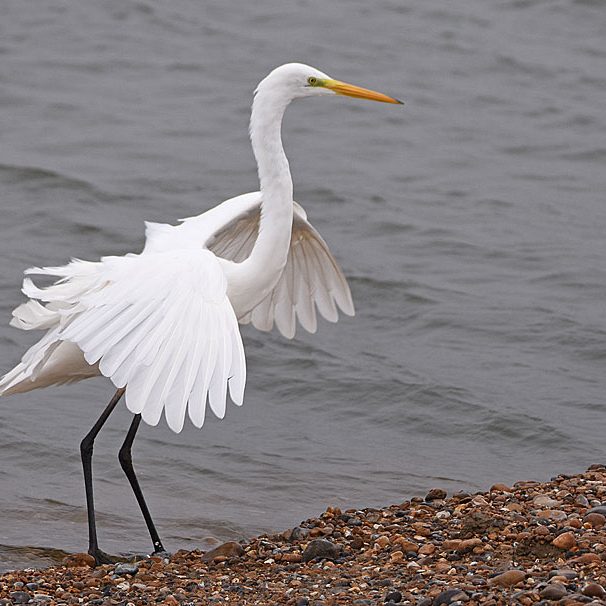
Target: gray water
pixel 470 223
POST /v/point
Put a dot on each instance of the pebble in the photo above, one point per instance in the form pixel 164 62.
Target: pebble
pixel 594 590
pixel 393 596
pixel 231 549
pixel 544 500
pixel 449 596
pixel 595 519
pixel 564 572
pixel 553 591
pixel 126 568
pixel 500 488
pixel 508 578
pixel 435 494
pixel 582 500
pixel 601 509
pixel 566 541
pixel 20 597
pixel 321 549
pixel 406 545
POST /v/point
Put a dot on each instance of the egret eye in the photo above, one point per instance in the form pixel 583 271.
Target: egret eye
pixel 312 81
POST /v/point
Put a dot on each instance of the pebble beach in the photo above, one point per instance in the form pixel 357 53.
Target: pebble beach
pixel 529 543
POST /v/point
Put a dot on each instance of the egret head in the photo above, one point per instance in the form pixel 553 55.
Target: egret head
pixel 294 80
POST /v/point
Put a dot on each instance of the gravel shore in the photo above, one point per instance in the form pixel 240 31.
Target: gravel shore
pixel 530 543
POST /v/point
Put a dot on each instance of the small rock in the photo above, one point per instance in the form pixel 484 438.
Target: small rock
pixel 321 549
pixel 20 597
pixel 231 549
pixel 449 596
pixel 586 558
pixel 581 500
pixel 171 600
pixel 469 544
pixel 564 572
pixel 406 545
pixel 435 494
pixel 553 591
pixel 126 568
pixel 552 514
pixel 544 500
pixel 565 541
pixel 427 549
pixel 599 509
pixel 593 590
pixel 508 578
pixel 595 520
pixel 77 560
pixel 393 596
pixel 500 488
pixel 295 534
pixel 32 586
pixel 382 541
pixel 303 602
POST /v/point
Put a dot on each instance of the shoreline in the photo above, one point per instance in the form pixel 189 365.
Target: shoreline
pixel 533 542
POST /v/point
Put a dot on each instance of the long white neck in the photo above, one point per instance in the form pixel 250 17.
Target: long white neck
pixel 258 274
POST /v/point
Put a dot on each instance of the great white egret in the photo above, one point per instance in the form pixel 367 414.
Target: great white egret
pixel 163 324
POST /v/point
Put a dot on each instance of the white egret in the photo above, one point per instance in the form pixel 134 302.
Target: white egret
pixel 163 324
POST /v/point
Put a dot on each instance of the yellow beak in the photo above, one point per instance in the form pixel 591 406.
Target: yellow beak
pixel 349 90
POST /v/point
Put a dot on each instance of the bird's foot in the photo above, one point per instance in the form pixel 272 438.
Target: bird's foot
pixel 103 558
pixel 160 553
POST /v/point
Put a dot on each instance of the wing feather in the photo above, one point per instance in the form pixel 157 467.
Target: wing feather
pixel 163 326
pixel 311 278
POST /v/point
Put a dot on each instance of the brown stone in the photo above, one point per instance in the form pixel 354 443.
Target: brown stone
pixel 586 558
pixel 552 514
pixel 544 500
pixel 469 544
pixel 594 590
pixel 566 541
pixel 508 578
pixel 435 494
pixel 498 487
pixel 406 545
pixel 595 520
pixel 382 541
pixel 77 560
pixel 231 549
pixel 451 544
pixel 427 549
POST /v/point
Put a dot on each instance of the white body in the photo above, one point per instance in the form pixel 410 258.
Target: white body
pixel 164 323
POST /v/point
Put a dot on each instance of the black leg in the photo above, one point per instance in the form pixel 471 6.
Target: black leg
pixel 126 460
pixel 86 451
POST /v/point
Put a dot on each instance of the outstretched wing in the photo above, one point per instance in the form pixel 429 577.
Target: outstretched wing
pixel 312 277
pixel 161 325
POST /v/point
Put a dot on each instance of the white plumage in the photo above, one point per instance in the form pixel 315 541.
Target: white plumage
pixel 163 324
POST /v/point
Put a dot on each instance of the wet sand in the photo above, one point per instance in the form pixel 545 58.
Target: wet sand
pixel 530 543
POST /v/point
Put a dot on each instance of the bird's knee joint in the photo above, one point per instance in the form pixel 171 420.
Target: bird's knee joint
pixel 125 457
pixel 86 447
